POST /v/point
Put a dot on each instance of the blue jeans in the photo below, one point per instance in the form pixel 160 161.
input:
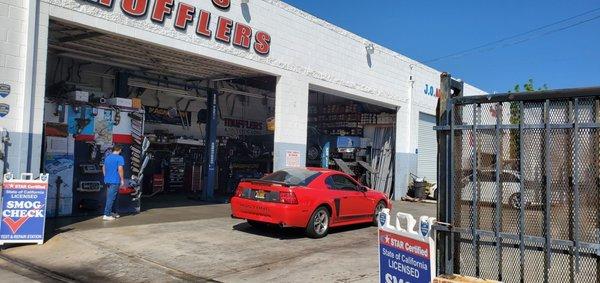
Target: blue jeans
pixel 111 199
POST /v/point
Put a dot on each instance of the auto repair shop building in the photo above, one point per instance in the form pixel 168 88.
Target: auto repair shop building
pixel 266 59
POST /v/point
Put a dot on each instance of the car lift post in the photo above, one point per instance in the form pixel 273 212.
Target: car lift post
pixel 210 149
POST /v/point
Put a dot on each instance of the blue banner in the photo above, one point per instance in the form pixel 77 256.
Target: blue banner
pixel 23 210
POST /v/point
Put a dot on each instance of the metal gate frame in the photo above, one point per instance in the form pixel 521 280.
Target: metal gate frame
pixel 452 238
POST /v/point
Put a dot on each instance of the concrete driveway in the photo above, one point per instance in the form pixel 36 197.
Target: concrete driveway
pixel 202 244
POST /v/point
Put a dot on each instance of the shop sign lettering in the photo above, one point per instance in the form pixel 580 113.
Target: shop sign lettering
pixel 186 15
pixel 431 91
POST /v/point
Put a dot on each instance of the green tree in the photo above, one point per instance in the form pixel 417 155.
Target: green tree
pixel 515 115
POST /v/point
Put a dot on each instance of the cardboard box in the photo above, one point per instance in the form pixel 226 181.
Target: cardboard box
pixel 119 101
pixel 136 103
pixel 82 96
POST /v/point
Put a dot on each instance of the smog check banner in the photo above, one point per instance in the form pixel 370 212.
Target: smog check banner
pixel 23 210
pixel 402 258
pixel 406 255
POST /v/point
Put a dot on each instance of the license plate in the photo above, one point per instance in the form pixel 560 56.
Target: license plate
pixel 260 194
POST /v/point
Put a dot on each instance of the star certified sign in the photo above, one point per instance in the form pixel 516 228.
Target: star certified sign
pixel 382 219
pixel 424 228
pixel 4 90
pixel 4 109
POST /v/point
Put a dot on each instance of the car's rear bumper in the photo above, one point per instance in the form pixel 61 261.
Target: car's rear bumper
pixel 286 215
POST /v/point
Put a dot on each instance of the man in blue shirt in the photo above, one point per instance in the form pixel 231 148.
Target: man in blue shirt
pixel 113 178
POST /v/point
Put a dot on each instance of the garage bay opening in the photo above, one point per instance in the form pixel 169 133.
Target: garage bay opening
pixel 354 137
pixel 191 127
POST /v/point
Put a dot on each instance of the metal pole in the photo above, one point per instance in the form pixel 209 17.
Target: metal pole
pixel 475 191
pixel 597 154
pixel 210 151
pixel 522 193
pixel 458 91
pixel 445 253
pixel 576 213
pixel 33 31
pixel 548 180
pixel 498 213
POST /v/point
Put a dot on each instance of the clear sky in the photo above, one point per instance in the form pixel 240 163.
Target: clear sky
pixel 428 29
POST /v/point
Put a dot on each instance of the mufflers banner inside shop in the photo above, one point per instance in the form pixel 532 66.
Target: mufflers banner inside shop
pixel 186 15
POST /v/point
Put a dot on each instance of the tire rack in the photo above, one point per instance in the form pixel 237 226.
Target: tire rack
pixel 137 130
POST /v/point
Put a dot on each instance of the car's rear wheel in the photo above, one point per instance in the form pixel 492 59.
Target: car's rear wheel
pixel 378 208
pixel 318 225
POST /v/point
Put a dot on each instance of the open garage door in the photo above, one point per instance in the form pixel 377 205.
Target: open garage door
pixel 427 152
pixel 352 136
pixel 165 107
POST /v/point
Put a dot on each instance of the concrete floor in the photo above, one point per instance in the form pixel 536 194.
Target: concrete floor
pixel 203 244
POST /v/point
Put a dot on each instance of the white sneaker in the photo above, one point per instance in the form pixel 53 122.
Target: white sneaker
pixel 116 215
pixel 108 218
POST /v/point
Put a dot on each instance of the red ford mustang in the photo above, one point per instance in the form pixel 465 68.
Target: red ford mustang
pixel 311 198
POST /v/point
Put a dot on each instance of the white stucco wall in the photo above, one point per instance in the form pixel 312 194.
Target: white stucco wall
pixel 306 53
pixel 23 40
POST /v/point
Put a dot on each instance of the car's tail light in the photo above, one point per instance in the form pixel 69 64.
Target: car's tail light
pixel 288 198
pixel 239 192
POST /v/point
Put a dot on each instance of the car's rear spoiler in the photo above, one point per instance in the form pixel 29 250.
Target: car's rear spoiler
pixel 259 181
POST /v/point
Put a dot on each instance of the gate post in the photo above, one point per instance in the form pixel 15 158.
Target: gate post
pixel 448 255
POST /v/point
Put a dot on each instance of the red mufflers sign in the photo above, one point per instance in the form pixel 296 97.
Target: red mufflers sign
pixel 186 15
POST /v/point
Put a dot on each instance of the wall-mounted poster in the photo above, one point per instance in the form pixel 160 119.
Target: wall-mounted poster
pixel 81 123
pixel 104 126
pixel 292 158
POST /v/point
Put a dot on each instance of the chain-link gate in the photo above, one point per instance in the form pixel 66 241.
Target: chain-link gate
pixel 519 181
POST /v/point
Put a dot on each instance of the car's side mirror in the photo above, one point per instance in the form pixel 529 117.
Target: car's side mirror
pixel 363 189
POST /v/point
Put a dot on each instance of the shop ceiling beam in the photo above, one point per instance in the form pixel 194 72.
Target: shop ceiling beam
pixel 112 61
pixel 178 59
pixel 99 61
pixel 184 85
pixel 80 37
pixel 167 91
